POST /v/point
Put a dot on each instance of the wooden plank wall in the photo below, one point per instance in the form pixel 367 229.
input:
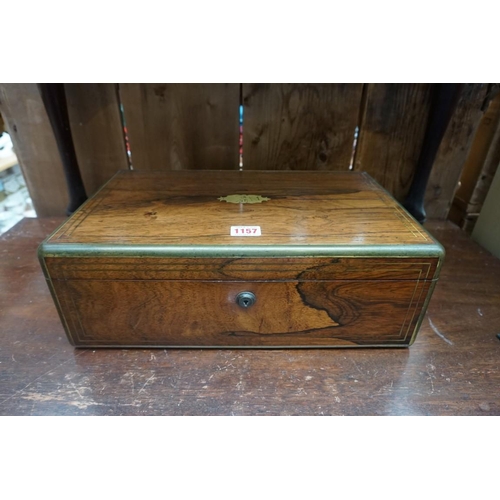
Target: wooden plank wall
pixel 35 146
pixel 182 126
pixel 299 126
pixel 311 127
pixel 454 150
pixel 287 126
pixel 392 128
pixel 96 126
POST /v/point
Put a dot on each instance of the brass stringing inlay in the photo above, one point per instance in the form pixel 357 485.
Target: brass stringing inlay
pixel 243 198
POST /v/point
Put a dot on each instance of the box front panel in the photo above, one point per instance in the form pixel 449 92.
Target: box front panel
pixel 207 313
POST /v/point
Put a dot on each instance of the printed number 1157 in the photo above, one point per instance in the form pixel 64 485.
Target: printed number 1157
pixel 245 231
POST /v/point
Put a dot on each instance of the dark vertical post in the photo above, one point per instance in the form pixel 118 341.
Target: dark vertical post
pixel 444 100
pixel 54 99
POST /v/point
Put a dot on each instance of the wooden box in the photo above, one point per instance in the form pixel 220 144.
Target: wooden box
pixel 241 259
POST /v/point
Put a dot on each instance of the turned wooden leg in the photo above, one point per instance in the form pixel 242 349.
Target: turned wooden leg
pixel 54 99
pixel 444 100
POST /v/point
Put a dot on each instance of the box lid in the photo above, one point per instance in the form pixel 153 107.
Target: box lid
pixel 242 213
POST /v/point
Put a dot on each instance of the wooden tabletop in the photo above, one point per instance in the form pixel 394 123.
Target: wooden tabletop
pixel 452 369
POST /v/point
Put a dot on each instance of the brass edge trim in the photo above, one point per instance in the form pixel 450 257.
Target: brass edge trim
pixel 212 251
pixel 442 252
pixel 55 299
pixel 439 266
pixel 256 347
pixel 423 312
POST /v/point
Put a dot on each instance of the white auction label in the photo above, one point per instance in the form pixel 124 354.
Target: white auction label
pixel 245 231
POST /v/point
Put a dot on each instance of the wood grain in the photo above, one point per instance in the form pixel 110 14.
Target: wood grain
pixel 283 268
pixel 29 127
pixel 391 133
pixel 452 369
pixel 299 126
pixel 453 151
pixel 182 126
pixel 201 313
pixel 96 126
pixel 191 300
pixel 183 208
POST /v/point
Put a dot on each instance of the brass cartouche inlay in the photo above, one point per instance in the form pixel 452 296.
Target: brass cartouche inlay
pixel 244 198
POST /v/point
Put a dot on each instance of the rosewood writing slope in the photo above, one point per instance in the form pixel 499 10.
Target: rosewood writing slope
pixel 241 259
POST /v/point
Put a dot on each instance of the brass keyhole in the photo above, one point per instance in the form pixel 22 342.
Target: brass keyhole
pixel 245 299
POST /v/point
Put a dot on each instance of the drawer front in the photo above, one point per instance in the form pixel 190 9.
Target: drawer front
pixel 207 313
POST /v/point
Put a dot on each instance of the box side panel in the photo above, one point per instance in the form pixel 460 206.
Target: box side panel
pixel 428 297
pixel 423 311
pixel 53 293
